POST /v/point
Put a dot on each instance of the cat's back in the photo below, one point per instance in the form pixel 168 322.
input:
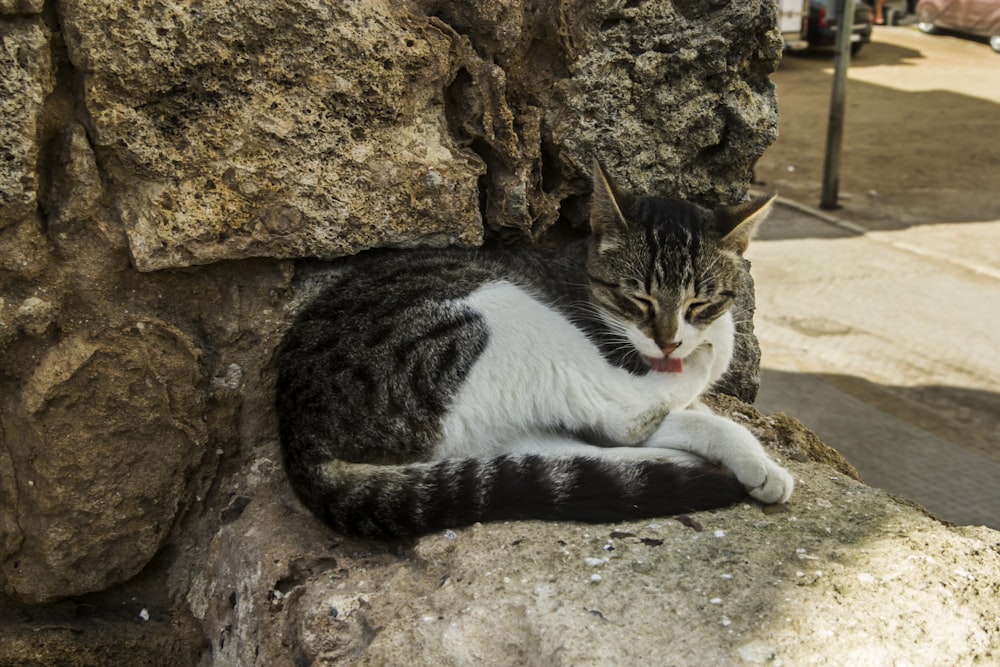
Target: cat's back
pixel 382 307
pixel 391 283
pixel 392 280
pixel 373 356
pixel 389 338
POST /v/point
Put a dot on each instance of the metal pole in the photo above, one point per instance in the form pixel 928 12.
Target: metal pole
pixel 838 99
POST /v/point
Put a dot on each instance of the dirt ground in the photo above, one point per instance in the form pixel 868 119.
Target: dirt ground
pixel 879 322
pixel 922 134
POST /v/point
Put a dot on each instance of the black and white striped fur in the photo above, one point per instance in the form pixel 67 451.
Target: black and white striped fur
pixel 422 390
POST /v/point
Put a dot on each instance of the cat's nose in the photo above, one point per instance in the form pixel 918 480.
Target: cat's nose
pixel 670 347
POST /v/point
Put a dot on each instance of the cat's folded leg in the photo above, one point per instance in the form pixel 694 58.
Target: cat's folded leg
pixel 627 429
pixel 634 418
pixel 679 457
pixel 719 440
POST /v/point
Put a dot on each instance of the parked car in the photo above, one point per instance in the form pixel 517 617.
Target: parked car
pixel 822 31
pixel 976 17
pixel 793 21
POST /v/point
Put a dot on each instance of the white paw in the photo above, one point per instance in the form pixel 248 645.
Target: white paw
pixel 767 481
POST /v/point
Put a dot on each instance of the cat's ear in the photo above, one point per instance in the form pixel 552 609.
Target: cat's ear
pixel 607 222
pixel 738 223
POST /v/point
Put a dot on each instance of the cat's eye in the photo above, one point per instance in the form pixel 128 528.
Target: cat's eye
pixel 696 309
pixel 644 304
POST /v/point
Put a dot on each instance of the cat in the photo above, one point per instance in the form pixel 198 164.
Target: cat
pixel 422 390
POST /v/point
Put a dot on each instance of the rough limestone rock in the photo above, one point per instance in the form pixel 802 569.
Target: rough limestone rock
pixel 160 165
pixel 25 80
pixel 236 129
pixel 76 188
pixel 691 73
pixel 88 515
pixel 21 6
pixel 244 129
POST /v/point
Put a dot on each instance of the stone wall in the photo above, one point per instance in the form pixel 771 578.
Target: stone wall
pixel 162 166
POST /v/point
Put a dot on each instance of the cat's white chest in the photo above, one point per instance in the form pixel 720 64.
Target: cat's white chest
pixel 540 377
pixel 535 362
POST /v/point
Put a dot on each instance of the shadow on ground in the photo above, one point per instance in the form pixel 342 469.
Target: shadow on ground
pixel 937 445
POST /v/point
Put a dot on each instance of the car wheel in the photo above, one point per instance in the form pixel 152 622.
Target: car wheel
pixel 928 28
pixel 995 43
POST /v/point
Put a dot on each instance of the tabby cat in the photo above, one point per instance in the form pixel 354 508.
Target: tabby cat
pixel 428 389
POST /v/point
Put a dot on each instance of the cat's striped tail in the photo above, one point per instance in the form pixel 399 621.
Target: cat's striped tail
pixel 387 501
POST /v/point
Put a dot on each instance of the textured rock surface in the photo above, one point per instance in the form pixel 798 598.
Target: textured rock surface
pixel 235 130
pixel 106 434
pixel 238 129
pixel 693 80
pixel 21 6
pixel 25 80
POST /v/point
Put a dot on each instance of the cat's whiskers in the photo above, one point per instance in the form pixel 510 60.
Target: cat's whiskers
pixel 617 339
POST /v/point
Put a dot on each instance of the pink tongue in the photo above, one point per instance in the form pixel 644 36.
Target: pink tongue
pixel 667 365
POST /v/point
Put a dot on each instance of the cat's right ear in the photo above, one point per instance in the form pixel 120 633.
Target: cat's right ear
pixel 739 223
pixel 607 222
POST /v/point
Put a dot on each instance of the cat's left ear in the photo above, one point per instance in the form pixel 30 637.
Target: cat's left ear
pixel 739 223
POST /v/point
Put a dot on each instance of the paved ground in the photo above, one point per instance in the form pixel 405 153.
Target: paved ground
pixel 880 322
pixel 889 354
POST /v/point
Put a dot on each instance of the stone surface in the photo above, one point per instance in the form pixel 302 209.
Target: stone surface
pixel 233 130
pixel 675 94
pixel 76 186
pixel 673 97
pixel 101 440
pixel 21 6
pixel 26 307
pixel 26 78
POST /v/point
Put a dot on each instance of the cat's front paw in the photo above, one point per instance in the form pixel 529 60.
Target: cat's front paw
pixel 766 481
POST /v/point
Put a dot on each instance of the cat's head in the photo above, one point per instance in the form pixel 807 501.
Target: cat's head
pixel 663 271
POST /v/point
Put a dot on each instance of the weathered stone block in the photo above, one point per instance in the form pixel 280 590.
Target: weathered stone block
pixel 76 184
pixel 21 6
pixel 841 575
pixel 674 95
pixel 232 130
pixel 25 80
pixel 102 440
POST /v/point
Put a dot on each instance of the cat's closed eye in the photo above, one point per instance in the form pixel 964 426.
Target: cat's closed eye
pixel 704 311
pixel 695 309
pixel 644 304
